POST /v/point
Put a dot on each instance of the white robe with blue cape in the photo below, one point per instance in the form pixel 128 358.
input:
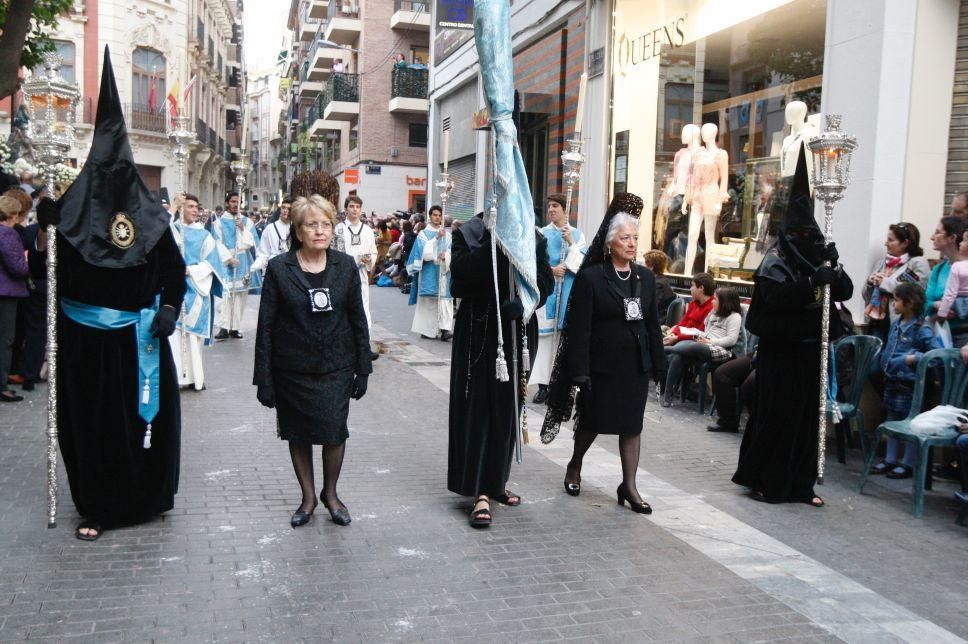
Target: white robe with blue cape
pixel 434 314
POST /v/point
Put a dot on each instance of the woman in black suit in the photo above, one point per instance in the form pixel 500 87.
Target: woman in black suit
pixel 312 350
pixel 614 346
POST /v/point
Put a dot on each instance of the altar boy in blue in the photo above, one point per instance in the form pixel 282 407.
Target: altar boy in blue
pixel 121 284
pixel 429 258
pixel 206 260
pixel 239 236
pixel 566 250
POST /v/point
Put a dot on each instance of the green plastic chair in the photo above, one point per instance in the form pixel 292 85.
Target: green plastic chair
pixel 864 349
pixel 954 377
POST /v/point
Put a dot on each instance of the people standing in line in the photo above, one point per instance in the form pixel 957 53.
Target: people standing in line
pixel 658 262
pixel 13 288
pixel 908 340
pixel 904 262
pixel 610 349
pixel 566 250
pixel 274 239
pixel 121 281
pixel 482 422
pixel 778 455
pixel 355 238
pixel 430 256
pixel 714 344
pixel 238 235
pixel 312 351
pixel 205 279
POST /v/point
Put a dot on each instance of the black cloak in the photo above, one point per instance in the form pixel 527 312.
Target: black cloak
pixel 481 416
pixel 114 479
pixel 778 455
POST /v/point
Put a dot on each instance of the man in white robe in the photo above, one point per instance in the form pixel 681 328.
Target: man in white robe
pixel 566 250
pixel 238 235
pixel 274 239
pixel 355 237
pixel 429 265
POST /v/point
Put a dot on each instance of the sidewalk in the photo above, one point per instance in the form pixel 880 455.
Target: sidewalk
pixel 225 565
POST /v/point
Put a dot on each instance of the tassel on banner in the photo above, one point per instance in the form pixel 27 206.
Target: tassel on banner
pixel 525 357
pixel 147 442
pixel 146 392
pixel 502 366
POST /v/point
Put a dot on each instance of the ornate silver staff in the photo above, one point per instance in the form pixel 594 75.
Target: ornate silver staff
pixel 831 176
pixel 240 167
pixel 181 137
pixel 572 159
pixel 445 186
pixel 52 107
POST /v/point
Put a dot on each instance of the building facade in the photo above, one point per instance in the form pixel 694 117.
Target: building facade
pixel 156 48
pixel 888 67
pixel 353 111
pixel 265 180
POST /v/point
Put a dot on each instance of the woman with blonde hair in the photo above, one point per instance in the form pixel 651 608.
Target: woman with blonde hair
pixel 312 350
pixel 13 287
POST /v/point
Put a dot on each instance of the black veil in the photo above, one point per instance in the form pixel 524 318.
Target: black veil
pixel 561 393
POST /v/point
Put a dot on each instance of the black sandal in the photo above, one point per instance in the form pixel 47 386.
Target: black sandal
pixel 509 499
pixel 481 518
pixel 815 501
pixel 759 495
pixel 88 525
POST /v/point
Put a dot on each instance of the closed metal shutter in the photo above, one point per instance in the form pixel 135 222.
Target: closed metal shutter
pixel 460 205
pixel 956 179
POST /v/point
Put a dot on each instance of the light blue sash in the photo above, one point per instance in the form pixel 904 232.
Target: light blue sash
pixel 149 348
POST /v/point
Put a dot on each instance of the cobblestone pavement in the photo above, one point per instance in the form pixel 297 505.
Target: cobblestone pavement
pixel 708 566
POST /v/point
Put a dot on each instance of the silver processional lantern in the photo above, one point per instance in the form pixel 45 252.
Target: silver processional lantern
pixel 52 108
pixel 240 167
pixel 832 150
pixel 180 137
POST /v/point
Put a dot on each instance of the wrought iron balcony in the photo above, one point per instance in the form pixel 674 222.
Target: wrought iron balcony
pixel 142 117
pixel 340 88
pixel 408 83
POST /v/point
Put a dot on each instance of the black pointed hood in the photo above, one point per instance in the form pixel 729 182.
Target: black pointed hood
pixel 799 214
pixel 800 239
pixel 107 214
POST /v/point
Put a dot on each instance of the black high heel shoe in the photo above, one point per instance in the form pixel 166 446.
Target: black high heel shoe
pixel 641 508
pixel 572 489
pixel 300 517
pixel 339 516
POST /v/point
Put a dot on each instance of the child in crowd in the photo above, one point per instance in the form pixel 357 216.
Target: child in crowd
pixel 910 337
pixel 956 289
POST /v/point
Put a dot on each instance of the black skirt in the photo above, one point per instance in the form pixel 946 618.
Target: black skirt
pixel 311 409
pixel 616 404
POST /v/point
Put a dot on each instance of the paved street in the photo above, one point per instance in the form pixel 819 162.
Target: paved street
pixel 708 566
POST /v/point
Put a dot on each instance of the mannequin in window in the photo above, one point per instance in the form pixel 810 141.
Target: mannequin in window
pixel 705 193
pixel 801 131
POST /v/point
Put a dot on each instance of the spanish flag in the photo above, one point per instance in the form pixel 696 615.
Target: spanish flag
pixel 172 101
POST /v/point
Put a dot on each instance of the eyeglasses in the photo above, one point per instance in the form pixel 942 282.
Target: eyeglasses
pixel 317 225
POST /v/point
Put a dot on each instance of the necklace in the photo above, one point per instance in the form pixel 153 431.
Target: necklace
pixel 624 279
pixel 304 264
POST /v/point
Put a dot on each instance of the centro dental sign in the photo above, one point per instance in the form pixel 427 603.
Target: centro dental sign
pixel 635 49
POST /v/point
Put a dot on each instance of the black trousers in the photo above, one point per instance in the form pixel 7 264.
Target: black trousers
pixel 34 309
pixel 739 374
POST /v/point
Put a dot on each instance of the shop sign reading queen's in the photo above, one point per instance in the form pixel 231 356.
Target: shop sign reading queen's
pixel 632 51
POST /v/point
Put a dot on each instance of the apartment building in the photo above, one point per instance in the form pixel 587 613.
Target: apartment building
pixel 351 108
pixel 266 180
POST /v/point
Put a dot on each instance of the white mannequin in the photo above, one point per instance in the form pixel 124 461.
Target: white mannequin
pixel 706 191
pixel 682 161
pixel 801 131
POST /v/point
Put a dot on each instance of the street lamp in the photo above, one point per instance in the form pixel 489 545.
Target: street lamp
pixel 52 108
pixel 831 175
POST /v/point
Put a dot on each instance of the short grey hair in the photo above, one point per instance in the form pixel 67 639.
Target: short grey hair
pixel 619 221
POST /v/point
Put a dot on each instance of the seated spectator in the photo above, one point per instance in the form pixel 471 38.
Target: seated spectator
pixel 657 262
pixel 736 374
pixel 697 310
pixel 954 302
pixel 714 344
pixel 909 338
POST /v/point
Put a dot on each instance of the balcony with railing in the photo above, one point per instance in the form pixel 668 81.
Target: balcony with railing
pixel 321 57
pixel 201 131
pixel 318 8
pixel 341 99
pixel 408 91
pixel 410 15
pixel 145 119
pixel 308 24
pixel 344 24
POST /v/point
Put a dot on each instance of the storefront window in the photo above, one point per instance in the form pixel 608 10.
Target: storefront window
pixel 701 118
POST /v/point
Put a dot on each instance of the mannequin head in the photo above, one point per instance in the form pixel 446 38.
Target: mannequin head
pixel 690 134
pixel 709 133
pixel 796 113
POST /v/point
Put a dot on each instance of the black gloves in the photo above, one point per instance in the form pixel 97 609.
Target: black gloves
pixel 359 387
pixel 266 395
pixel 164 323
pixel 583 382
pixel 830 254
pixel 48 212
pixel 512 310
pixel 824 275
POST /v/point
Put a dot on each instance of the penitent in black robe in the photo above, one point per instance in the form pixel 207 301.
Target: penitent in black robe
pixel 114 480
pixel 482 423
pixel 778 455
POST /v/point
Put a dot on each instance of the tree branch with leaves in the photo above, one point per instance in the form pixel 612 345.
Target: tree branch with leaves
pixel 24 36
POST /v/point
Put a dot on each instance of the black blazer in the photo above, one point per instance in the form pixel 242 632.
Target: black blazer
pixel 292 338
pixel 599 337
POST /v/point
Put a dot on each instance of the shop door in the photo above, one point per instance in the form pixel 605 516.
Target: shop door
pixel 460 205
pixel 533 139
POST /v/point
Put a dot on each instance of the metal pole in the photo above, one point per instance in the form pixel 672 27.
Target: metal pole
pixel 445 185
pixel 515 377
pixel 180 160
pixel 51 376
pixel 828 230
